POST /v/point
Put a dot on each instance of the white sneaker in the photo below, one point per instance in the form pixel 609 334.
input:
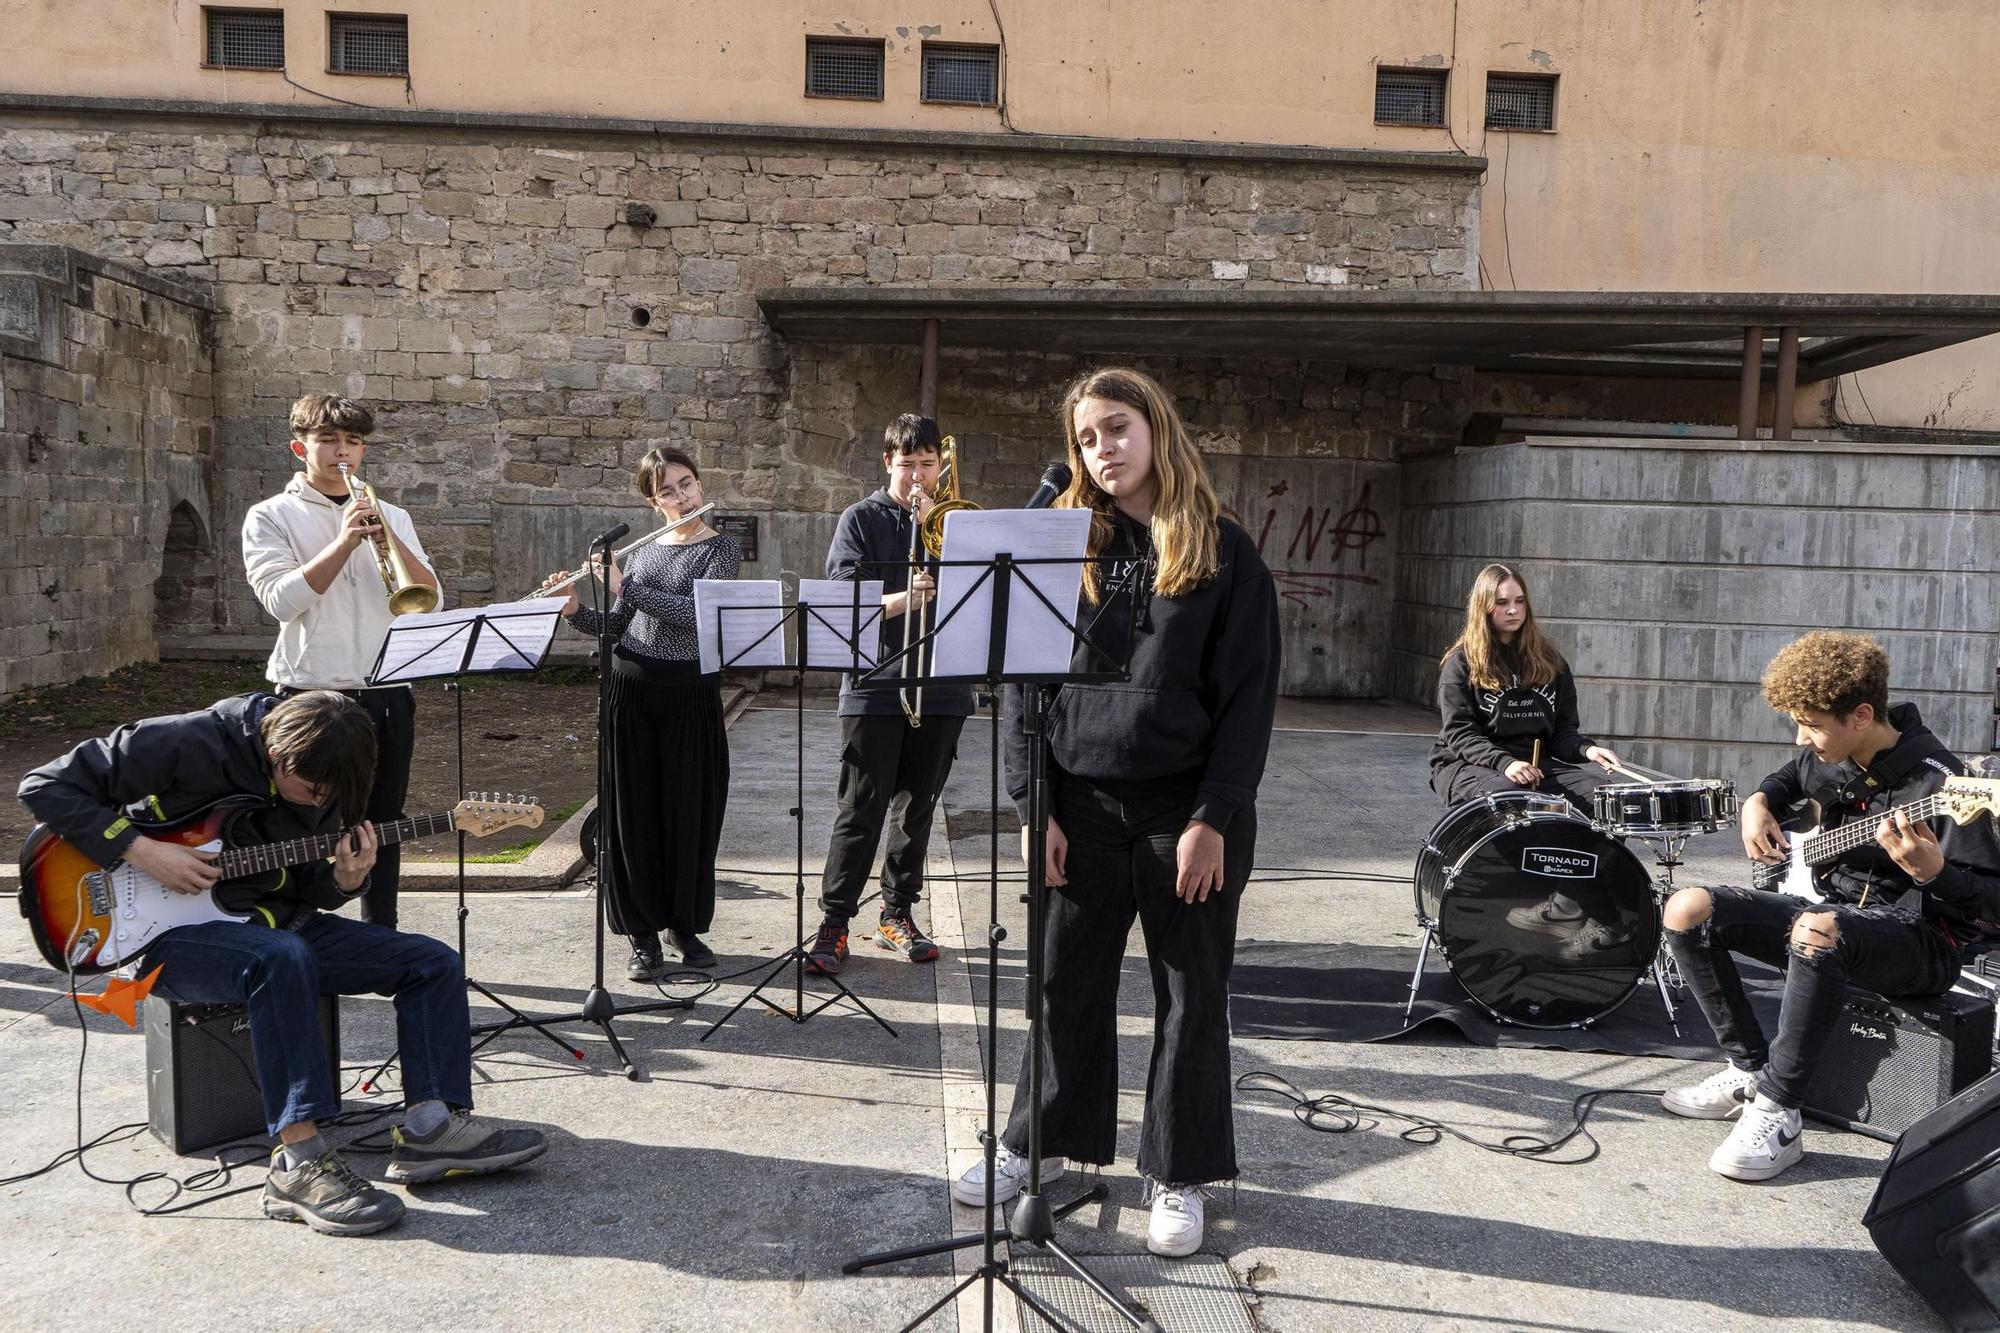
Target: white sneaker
pixel 1766 1140
pixel 1178 1219
pixel 1720 1096
pixel 1010 1173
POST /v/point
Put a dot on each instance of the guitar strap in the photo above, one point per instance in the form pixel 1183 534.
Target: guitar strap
pixel 1890 770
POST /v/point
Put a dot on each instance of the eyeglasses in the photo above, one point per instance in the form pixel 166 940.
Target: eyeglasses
pixel 686 490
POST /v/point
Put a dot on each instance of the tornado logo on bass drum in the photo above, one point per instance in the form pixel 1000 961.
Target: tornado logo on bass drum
pixel 1558 863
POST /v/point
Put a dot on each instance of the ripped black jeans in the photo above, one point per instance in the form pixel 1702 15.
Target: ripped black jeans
pixel 1889 952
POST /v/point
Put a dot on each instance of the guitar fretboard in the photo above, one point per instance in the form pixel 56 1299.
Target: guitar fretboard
pixel 277 855
pixel 1824 847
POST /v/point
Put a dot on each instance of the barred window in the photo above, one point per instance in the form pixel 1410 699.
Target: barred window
pixel 1409 96
pixel 844 67
pixel 368 44
pixel 245 38
pixel 961 75
pixel 1520 102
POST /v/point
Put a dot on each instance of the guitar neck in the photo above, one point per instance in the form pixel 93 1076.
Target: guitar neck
pixel 1821 848
pixel 298 851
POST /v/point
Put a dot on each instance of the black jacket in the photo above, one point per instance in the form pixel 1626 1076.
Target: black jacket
pixel 1204 685
pixel 166 769
pixel 1492 728
pixel 1916 766
pixel 872 541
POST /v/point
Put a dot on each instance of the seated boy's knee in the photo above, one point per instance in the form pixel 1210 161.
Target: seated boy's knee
pixel 1688 908
pixel 1813 933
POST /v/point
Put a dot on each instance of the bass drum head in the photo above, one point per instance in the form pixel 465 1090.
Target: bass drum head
pixel 1548 923
pixel 1464 825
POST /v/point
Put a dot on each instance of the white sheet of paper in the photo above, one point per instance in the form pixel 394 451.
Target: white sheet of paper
pixel 737 622
pixel 428 644
pixel 1038 643
pixel 830 638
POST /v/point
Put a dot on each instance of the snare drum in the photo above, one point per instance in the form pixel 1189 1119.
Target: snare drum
pixel 1665 809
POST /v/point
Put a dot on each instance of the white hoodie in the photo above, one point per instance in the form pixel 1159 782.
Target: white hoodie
pixel 325 640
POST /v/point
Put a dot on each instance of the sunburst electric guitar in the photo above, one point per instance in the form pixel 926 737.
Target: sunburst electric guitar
pixel 89 919
pixel 1962 799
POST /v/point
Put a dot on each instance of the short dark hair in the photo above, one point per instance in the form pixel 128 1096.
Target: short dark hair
pixel 656 461
pixel 908 433
pixel 327 739
pixel 327 411
pixel 1828 672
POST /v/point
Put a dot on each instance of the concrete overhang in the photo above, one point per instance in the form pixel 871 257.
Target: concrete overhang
pixel 1688 335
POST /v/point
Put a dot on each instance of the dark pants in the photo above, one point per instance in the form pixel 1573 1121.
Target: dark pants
pixel 891 771
pixel 669 752
pixel 279 975
pixel 1122 863
pixel 393 709
pixel 1888 952
pixel 1461 781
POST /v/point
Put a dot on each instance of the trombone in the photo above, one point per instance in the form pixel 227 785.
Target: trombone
pixel 929 535
pixel 407 594
pixel 555 586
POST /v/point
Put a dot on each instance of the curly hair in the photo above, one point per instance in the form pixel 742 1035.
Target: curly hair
pixel 1828 672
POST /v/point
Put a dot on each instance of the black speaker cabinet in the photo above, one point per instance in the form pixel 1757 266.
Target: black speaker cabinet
pixel 1892 1062
pixel 201 1079
pixel 1936 1214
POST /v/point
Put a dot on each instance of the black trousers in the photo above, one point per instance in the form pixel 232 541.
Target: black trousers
pixel 1462 780
pixel 889 771
pixel 393 709
pixel 1886 951
pixel 1122 864
pixel 670 778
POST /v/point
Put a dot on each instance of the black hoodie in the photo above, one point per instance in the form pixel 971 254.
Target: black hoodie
pixel 1204 685
pixel 1493 728
pixel 1916 766
pixel 872 541
pixel 166 769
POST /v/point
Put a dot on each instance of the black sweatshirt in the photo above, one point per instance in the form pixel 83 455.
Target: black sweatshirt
pixel 1204 685
pixel 1916 766
pixel 164 770
pixel 872 541
pixel 1493 728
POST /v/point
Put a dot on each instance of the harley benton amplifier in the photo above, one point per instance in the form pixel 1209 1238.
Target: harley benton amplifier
pixel 1892 1062
pixel 201 1078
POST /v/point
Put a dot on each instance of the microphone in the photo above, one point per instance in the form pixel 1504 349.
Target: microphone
pixel 1054 482
pixel 610 535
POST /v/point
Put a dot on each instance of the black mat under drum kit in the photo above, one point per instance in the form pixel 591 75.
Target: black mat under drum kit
pixel 1546 916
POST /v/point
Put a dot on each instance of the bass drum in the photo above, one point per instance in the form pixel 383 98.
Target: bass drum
pixel 1545 921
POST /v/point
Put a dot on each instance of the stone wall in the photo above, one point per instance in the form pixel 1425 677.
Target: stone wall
pixel 106 444
pixel 530 310
pixel 1670 572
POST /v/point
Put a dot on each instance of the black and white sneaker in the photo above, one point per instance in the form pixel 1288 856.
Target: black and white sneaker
pixel 327 1196
pixel 1768 1139
pixel 1720 1096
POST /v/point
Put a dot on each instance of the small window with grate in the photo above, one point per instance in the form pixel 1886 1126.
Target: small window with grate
pixel 245 39
pixel 961 75
pixel 844 67
pixel 1409 96
pixel 368 44
pixel 1520 102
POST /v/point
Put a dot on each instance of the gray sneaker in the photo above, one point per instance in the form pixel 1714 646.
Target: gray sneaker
pixel 460 1147
pixel 329 1197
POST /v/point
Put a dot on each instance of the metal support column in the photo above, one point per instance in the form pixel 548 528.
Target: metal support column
pixel 1752 382
pixel 927 379
pixel 1787 387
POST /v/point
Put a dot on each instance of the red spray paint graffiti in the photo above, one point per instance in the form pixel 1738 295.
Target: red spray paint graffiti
pixel 1302 546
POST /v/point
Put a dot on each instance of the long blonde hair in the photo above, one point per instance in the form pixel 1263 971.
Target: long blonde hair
pixel 1490 663
pixel 1184 505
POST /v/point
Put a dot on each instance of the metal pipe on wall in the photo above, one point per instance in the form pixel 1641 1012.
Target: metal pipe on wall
pixel 1752 382
pixel 927 379
pixel 1787 387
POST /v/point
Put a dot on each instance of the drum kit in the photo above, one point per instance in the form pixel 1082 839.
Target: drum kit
pixel 1545 916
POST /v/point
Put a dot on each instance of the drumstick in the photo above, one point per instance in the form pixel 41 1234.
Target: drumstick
pixel 1536 761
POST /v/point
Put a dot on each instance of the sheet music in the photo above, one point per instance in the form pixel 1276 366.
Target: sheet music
pixel 830 634
pixel 428 644
pixel 738 623
pixel 1038 643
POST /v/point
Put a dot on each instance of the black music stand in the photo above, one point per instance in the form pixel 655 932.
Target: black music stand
pixel 493 640
pixel 805 614
pixel 1034 1219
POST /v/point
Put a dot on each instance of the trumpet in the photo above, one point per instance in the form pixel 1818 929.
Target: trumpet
pixel 407 594
pixel 555 586
pixel 929 536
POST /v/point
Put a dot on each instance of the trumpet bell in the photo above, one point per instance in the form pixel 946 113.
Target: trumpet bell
pixel 933 525
pixel 413 599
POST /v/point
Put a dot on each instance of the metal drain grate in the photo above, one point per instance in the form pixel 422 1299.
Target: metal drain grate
pixel 1198 1294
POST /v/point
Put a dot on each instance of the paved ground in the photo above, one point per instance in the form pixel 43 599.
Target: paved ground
pixel 724 1189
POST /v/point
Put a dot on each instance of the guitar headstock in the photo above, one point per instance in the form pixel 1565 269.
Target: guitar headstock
pixel 1966 799
pixel 486 813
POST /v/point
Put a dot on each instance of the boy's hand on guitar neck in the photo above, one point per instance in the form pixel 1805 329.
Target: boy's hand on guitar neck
pixel 1763 837
pixel 1911 845
pixel 354 857
pixel 182 869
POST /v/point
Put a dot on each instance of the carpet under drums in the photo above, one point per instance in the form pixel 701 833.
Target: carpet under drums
pixel 1356 992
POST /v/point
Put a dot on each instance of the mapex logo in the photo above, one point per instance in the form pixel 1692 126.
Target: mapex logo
pixel 1559 863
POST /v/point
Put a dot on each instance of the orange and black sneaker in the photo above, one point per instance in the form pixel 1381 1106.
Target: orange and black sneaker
pixel 899 935
pixel 828 953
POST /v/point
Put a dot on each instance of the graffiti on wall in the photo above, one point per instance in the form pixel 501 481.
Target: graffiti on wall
pixel 1312 548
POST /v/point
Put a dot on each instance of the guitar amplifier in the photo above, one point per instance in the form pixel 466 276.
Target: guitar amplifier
pixel 201 1079
pixel 1891 1062
pixel 1936 1214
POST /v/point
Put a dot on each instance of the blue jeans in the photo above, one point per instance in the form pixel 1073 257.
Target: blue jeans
pixel 279 975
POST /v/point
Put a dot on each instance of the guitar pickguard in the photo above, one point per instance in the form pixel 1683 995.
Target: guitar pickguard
pixel 143 909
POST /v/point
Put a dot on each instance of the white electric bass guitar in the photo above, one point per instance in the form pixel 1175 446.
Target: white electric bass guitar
pixel 1962 799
